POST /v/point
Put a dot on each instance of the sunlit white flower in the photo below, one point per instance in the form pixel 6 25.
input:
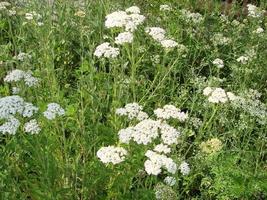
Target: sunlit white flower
pixel 164 7
pixel 53 110
pixel 218 63
pixel 184 168
pixel 259 30
pixel 169 135
pixel 191 17
pixel 29 16
pixel 243 59
pixel 10 126
pixel 156 33
pixel 207 91
pixel 170 111
pixel 218 96
pixel 125 37
pixel 168 43
pixel 106 50
pixel 162 148
pixel 32 127
pixel 133 10
pixel 18 75
pixel 111 154
pixel 10 106
pixel 116 19
pixel 134 21
pixel 254 11
pixel 125 135
pixel 146 131
pixel 156 162
pixel 219 39
pixel 29 110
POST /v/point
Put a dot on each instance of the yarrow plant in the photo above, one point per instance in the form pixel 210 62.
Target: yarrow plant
pixel 146 132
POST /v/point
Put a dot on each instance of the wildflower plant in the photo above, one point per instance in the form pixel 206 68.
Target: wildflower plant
pixel 194 72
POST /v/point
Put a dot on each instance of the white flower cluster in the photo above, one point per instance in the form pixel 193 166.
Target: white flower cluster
pixel 106 50
pixel 218 63
pixel 243 59
pixel 121 19
pixel 111 154
pixel 254 11
pixel 259 30
pixel 170 111
pixel 11 106
pixel 4 5
pixel 184 168
pixel 53 109
pixel 162 148
pixel 218 95
pixel 251 104
pixel 170 181
pixel 165 7
pixel 188 16
pixel 219 39
pixel 22 56
pixel 125 37
pixel 129 19
pixel 32 15
pixel 155 163
pixel 133 10
pixel 248 56
pixel 132 110
pixel 10 126
pixel 18 75
pixel 158 34
pixel 145 132
pixel 32 127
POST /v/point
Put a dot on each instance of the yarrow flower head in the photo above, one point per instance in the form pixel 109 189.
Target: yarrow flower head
pixel 132 110
pixel 156 33
pixel 219 39
pixel 170 111
pixel 259 30
pixel 122 19
pixel 106 51
pixel 133 10
pixel 10 126
pixel 218 95
pixel 168 44
pixel 218 63
pixel 162 148
pixel 11 105
pixel 125 37
pixel 18 75
pixel 165 7
pixel 184 168
pixel 156 162
pixel 188 16
pixel 32 127
pixel 243 59
pixel 53 110
pixel 111 154
pixel 254 11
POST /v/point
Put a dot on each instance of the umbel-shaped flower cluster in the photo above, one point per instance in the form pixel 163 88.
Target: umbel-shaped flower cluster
pixel 13 107
pixel 129 21
pixel 146 132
